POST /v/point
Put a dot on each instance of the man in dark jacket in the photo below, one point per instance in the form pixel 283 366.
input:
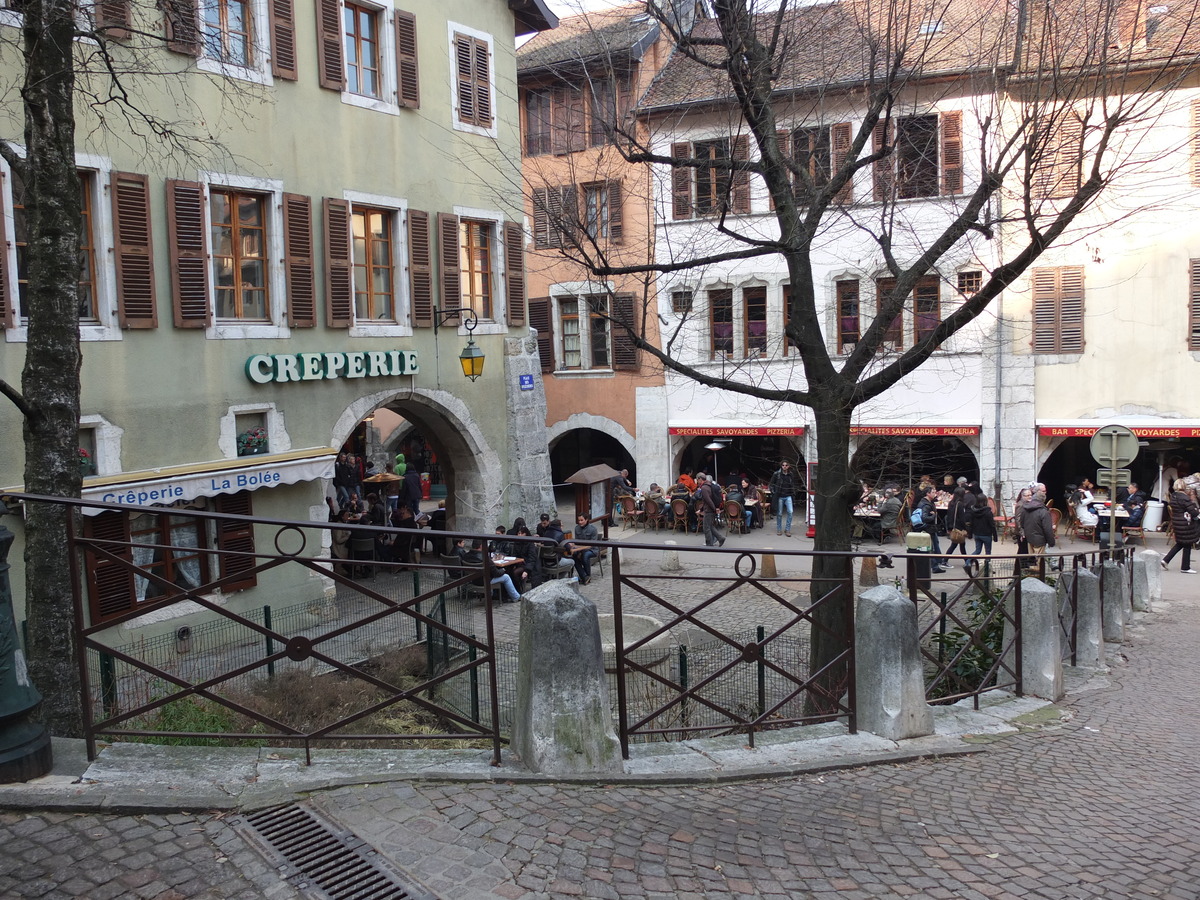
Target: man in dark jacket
pixel 1038 525
pixel 410 494
pixel 707 504
pixel 783 486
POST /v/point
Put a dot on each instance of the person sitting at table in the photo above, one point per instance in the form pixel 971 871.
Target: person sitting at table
pixel 473 556
pixel 1080 500
pixel 406 543
pixel 543 524
pixel 889 511
pixel 686 479
pixel 529 553
pixel 583 556
pixel 1134 501
pixel 754 513
pixel 518 571
pixel 655 492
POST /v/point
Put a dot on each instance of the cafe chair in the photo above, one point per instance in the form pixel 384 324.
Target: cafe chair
pixel 735 517
pixel 630 513
pixel 554 564
pixel 1134 531
pixel 362 549
pixel 679 515
pixel 653 514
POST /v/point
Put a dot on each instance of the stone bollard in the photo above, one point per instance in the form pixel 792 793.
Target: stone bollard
pixel 562 723
pixel 767 569
pixel 1147 580
pixel 670 561
pixel 1041 654
pixel 1126 593
pixel 868 575
pixel 1112 602
pixel 888 669
pixel 1089 630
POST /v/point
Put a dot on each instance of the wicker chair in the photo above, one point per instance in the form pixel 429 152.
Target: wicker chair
pixel 735 516
pixel 653 514
pixel 679 515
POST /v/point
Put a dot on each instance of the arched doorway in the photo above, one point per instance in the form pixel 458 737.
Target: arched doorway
pixel 902 461
pixel 578 448
pixel 756 456
pixel 451 447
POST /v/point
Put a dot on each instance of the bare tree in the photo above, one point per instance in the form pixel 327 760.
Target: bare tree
pixel 833 110
pixel 60 73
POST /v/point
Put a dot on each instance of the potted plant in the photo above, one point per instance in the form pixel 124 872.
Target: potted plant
pixel 252 441
pixel 87 465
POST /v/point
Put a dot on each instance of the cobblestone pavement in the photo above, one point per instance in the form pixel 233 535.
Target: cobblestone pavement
pixel 1104 806
pixel 98 857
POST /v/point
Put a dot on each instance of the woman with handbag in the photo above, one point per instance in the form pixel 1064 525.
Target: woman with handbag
pixel 958 521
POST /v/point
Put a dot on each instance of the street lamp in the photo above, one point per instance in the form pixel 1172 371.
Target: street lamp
pixel 471 359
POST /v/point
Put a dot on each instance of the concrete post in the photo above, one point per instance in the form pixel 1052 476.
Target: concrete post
pixel 562 723
pixel 1089 630
pixel 868 573
pixel 888 670
pixel 1041 654
pixel 1113 603
pixel 767 566
pixel 1147 580
pixel 1126 594
pixel 670 561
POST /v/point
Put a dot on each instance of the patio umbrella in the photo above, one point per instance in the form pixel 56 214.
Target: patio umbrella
pixel 381 477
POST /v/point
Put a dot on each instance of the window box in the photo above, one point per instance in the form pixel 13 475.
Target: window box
pixel 252 442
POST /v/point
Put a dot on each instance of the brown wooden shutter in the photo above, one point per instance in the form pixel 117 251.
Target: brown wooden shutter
pixel 449 266
pixel 616 217
pixel 7 317
pixel 110 584
pixel 339 276
pixel 541 218
pixel 235 542
pixel 784 142
pixel 576 123
pixel 741 177
pixel 539 320
pixel 884 169
pixel 681 183
pixel 625 355
pixel 420 269
pixel 408 82
pixel 1067 156
pixel 483 84
pixel 298 261
pixel 1194 143
pixel 112 17
pixel 1058 310
pixel 952 155
pixel 1194 304
pixel 841 137
pixel 514 272
pixel 283 39
pixel 183 26
pixel 189 254
pixel 133 251
pixel 462 78
pixel 332 72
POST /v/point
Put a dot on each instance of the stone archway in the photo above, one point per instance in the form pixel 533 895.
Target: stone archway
pixel 469 462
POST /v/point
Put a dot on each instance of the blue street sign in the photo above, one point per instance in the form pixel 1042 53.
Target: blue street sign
pixel 526 382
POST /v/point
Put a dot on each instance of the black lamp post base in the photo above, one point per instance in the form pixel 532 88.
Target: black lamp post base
pixel 25 752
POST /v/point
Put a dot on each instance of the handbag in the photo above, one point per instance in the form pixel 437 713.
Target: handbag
pixel 958 536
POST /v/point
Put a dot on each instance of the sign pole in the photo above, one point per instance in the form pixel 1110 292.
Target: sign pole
pixel 1112 486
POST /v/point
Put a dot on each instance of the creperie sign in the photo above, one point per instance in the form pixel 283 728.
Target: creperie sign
pixel 284 367
pixel 1054 431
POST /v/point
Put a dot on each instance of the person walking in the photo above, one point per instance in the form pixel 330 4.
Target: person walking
pixel 707 504
pixel 926 512
pixel 1185 524
pixel 983 529
pixel 958 522
pixel 1038 526
pixel 783 487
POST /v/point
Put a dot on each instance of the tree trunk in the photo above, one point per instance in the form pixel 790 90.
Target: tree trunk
pixel 833 620
pixel 50 380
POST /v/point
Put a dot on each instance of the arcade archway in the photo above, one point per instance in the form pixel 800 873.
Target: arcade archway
pixel 445 442
pixel 903 460
pixel 753 456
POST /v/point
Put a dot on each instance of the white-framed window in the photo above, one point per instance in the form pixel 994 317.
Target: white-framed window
pixel 246 285
pixel 472 80
pixel 367 50
pixel 102 441
pixel 583 331
pixel 97 281
pixel 379 254
pixel 233 37
pixel 481 267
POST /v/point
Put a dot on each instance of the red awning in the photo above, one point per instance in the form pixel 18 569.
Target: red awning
pixel 916 430
pixel 735 431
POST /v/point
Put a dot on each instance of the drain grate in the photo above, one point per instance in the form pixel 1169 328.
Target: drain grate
pixel 329 862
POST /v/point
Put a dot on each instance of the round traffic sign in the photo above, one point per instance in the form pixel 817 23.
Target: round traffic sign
pixel 1114 445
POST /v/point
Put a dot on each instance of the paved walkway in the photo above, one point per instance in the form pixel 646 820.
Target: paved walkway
pixel 1094 797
